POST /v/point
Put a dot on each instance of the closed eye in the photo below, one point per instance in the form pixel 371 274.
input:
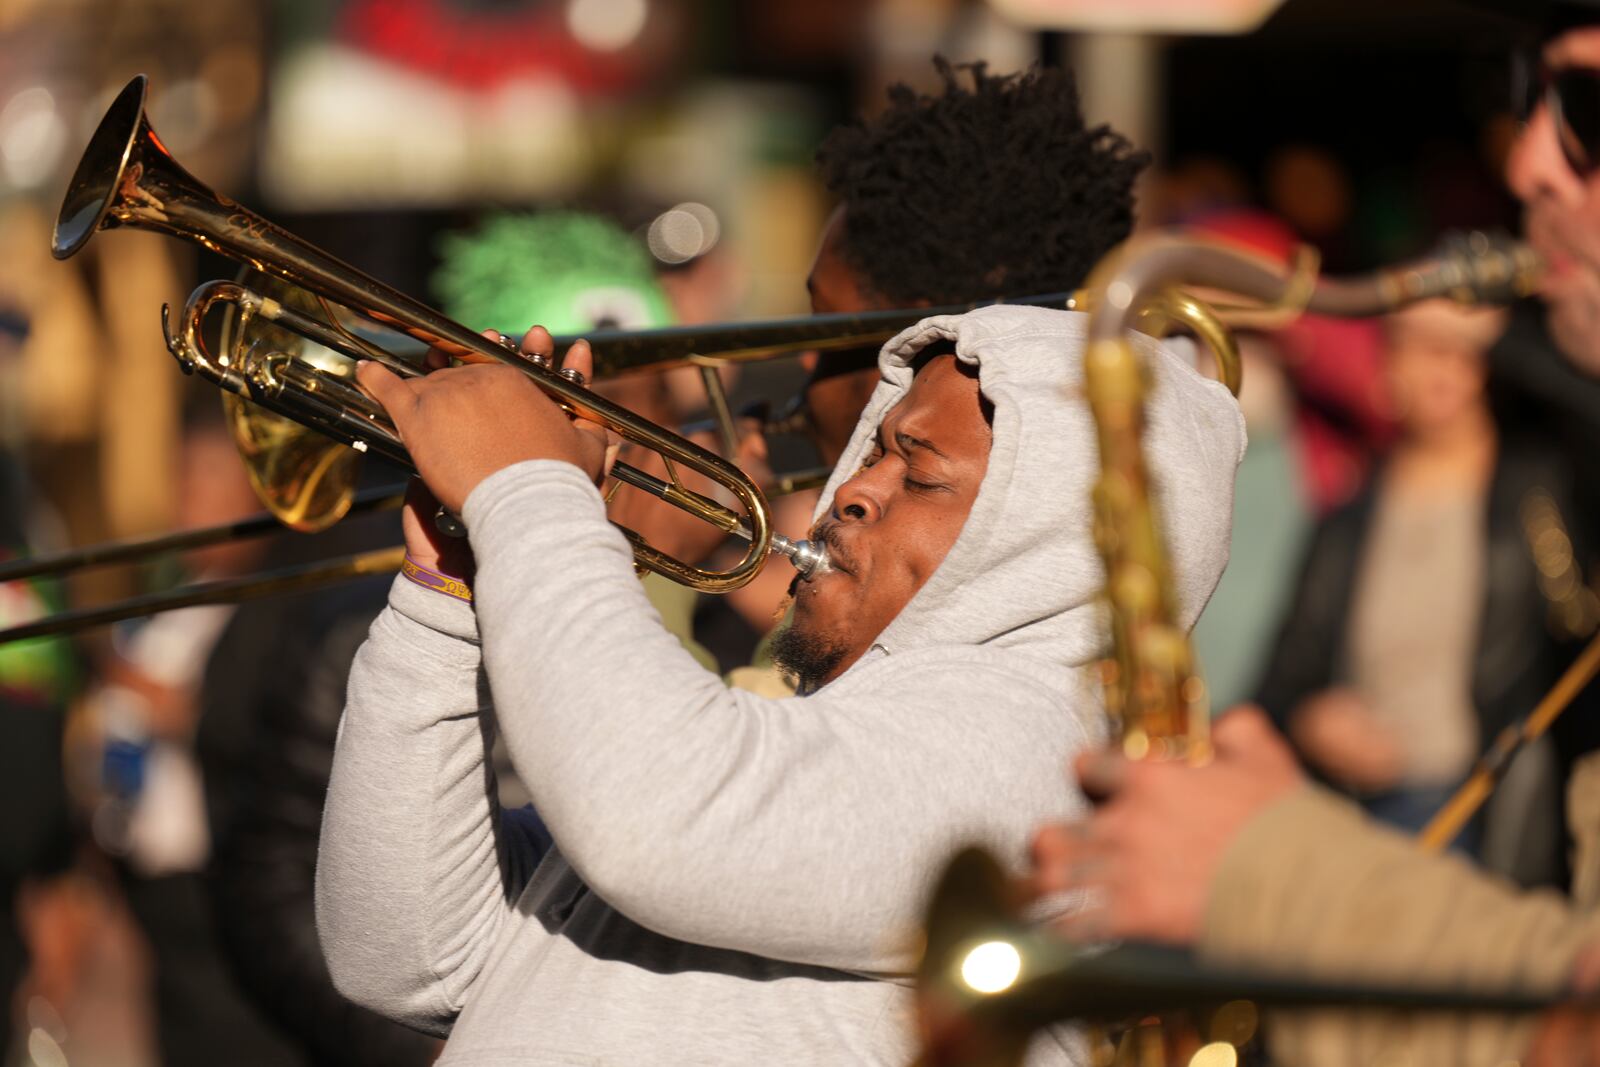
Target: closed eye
pixel 911 482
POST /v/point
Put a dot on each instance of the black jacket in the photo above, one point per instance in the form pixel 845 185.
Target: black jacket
pixel 274 695
pixel 1516 657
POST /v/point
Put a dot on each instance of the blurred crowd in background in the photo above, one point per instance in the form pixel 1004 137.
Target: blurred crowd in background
pixel 637 163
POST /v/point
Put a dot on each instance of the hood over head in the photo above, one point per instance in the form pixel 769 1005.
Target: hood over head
pixel 1024 573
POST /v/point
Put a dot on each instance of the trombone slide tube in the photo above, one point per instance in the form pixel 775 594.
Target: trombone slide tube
pixel 223 591
pixel 141 548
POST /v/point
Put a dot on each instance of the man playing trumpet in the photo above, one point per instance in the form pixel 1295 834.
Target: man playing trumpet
pixel 729 878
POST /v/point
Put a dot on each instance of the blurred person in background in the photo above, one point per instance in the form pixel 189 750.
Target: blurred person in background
pixel 577 272
pixel 918 223
pixel 1334 367
pixel 1418 629
pixel 1309 188
pixel 1194 187
pixel 1247 862
pixel 273 693
pixel 36 680
pixel 150 812
pixel 1313 402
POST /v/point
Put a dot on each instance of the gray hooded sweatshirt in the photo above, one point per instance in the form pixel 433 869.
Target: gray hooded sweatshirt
pixel 726 878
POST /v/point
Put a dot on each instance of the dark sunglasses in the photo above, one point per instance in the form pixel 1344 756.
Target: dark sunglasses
pixel 1573 96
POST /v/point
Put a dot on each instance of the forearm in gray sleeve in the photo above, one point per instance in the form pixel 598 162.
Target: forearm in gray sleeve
pixel 415 866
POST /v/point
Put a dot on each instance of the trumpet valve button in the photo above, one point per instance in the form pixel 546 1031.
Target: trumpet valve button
pixel 574 375
pixel 539 359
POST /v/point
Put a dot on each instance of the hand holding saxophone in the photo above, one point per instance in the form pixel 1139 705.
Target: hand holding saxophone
pixel 1149 851
pixel 462 424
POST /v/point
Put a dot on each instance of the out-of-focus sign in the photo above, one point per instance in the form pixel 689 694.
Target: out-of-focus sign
pixel 347 128
pixel 1141 16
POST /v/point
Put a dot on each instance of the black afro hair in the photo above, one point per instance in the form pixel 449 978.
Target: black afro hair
pixel 973 193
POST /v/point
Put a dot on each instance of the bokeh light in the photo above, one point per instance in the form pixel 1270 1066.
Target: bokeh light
pixel 607 25
pixel 991 967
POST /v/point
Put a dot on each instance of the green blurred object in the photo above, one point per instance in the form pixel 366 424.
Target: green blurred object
pixel 569 272
pixel 42 671
pixel 565 270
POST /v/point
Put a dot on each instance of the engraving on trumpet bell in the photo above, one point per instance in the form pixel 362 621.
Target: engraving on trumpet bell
pixel 247 226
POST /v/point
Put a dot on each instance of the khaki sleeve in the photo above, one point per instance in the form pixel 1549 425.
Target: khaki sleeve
pixel 1583 815
pixel 1315 887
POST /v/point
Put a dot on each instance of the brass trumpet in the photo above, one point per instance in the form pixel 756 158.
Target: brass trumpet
pixel 127 178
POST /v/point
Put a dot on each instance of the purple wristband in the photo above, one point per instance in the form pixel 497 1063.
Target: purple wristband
pixel 439 583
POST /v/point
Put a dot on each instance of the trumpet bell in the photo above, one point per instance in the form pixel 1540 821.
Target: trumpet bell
pixel 306 480
pixel 100 171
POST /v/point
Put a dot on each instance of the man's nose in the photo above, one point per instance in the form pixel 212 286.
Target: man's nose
pixel 1536 168
pixel 859 499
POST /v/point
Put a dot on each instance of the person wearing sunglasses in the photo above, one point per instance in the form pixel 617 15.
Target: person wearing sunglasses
pixel 1248 863
pixel 1552 170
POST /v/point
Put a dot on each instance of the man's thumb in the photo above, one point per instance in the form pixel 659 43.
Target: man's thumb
pixel 386 387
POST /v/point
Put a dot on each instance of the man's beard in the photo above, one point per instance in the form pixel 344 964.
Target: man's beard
pixel 809 658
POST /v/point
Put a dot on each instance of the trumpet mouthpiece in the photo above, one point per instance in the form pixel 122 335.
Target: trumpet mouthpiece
pixel 810 558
